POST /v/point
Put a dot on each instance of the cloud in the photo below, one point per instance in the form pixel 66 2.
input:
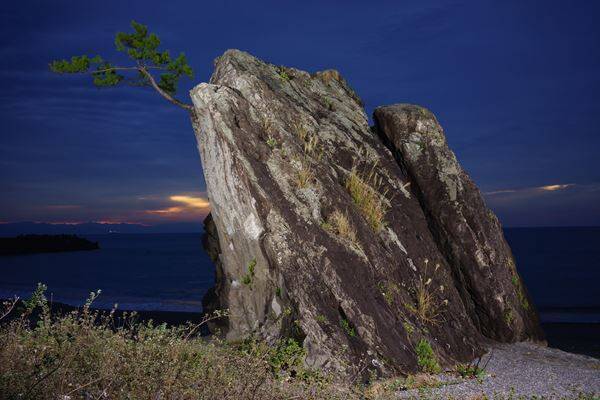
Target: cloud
pixel 188 207
pixel 191 201
pixel 60 207
pixel 552 188
pixel 565 204
pixel 500 192
pixel 531 190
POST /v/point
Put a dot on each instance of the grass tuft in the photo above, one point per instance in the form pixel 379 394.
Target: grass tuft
pixel 364 190
pixel 427 306
pixel 304 175
pixel 338 224
pixel 311 145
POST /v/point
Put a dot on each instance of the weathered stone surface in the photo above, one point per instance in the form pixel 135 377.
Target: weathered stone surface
pixel 468 233
pixel 278 147
pixel 211 300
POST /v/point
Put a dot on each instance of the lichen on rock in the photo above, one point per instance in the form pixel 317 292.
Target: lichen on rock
pixel 278 146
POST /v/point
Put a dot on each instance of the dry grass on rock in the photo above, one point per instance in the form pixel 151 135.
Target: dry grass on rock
pixel 364 190
pixel 338 224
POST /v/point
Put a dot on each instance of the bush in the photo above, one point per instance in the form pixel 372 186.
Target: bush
pixel 426 357
pixel 88 354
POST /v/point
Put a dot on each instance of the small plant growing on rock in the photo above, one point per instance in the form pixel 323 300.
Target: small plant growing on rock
pixel 282 73
pixel 364 192
pixel 310 142
pixel 427 306
pixel 516 281
pixel 338 224
pixel 470 371
pixel 520 291
pixel 267 125
pixel 387 291
pixel 312 147
pixel 508 316
pixel 408 328
pixel 301 131
pixel 347 327
pixel 321 318
pixel 247 279
pixel 305 175
pixel 426 357
pixel 271 142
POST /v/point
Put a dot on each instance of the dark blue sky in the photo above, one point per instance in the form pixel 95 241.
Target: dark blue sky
pixel 516 85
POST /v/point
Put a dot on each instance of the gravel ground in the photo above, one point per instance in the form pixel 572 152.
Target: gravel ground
pixel 522 369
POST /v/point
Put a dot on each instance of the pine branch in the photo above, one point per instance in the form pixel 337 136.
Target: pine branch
pixel 164 94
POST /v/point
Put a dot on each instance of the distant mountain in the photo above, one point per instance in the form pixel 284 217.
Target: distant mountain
pixel 95 228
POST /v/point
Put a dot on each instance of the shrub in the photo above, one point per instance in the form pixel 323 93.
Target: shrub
pixel 364 193
pixel 87 354
pixel 426 358
pixel 287 356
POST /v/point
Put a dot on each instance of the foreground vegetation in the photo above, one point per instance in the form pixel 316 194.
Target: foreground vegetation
pixel 87 354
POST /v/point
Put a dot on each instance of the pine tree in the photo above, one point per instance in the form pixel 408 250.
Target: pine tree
pixel 150 66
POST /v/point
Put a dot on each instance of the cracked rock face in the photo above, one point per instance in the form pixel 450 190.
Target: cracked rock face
pixel 467 232
pixel 321 234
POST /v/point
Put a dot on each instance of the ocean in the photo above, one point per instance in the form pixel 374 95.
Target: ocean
pixel 158 272
pixel 171 272
pixel 561 269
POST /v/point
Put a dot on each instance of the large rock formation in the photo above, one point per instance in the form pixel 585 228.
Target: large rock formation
pixel 467 232
pixel 321 234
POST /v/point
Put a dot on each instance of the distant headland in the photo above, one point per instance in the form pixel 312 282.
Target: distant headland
pixel 31 244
